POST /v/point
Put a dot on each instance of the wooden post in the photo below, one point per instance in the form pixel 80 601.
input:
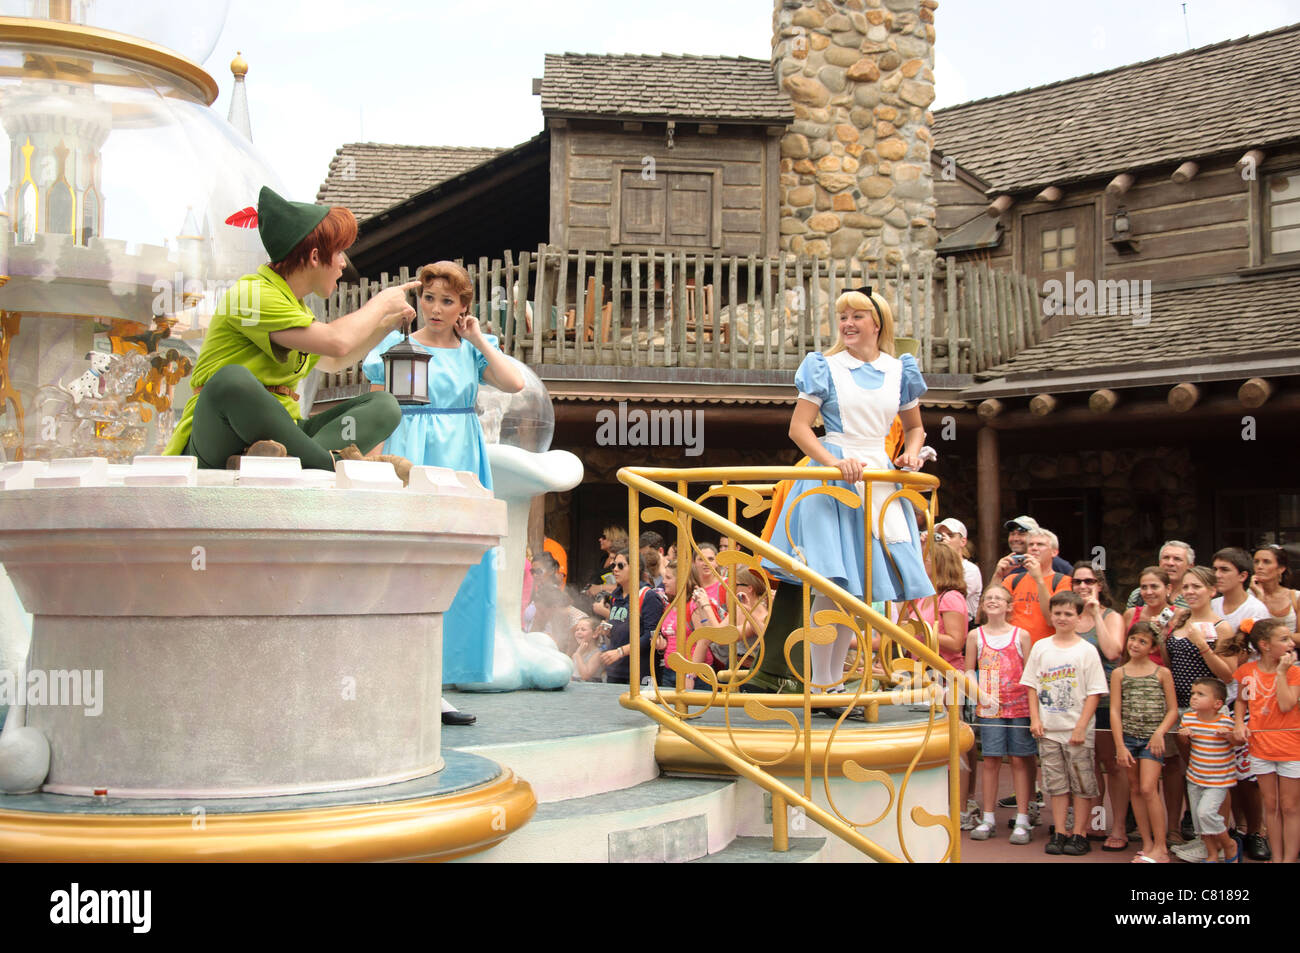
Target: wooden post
pixel 541 307
pixel 507 302
pixel 561 306
pixel 781 311
pixel 580 301
pixel 1035 314
pixel 700 353
pixel 519 304
pixel 749 301
pixel 801 295
pixel 1251 160
pixel 950 318
pixel 733 303
pixel 1051 194
pixel 814 303
pixel 636 309
pixel 1103 401
pixel 1183 397
pixel 1254 393
pixel 716 283
pixel 670 308
pixel 999 205
pixel 1042 405
pixel 616 311
pixel 989 496
pixel 1185 172
pixel 768 324
pixel 1120 184
pixel 989 408
pixel 651 298
pixel 597 310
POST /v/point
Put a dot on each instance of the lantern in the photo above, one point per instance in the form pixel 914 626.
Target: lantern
pixel 406 372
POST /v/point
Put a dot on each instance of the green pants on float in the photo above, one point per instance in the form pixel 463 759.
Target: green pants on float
pixel 235 411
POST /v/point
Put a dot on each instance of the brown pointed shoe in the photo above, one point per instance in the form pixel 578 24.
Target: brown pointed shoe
pixel 401 465
pixel 260 448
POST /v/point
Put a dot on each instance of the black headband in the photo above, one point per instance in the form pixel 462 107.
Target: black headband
pixel 866 290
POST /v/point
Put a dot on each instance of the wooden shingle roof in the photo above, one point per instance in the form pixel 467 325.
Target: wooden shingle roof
pixel 1225 98
pixel 1187 326
pixel 369 177
pixel 706 88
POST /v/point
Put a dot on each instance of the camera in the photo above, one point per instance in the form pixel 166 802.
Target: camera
pixel 1165 617
pixel 1018 559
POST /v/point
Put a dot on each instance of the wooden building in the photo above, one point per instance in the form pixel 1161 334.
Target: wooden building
pixel 1157 209
pixel 1130 379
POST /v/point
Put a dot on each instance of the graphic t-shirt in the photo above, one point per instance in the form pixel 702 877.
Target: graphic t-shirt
pixel 1063 677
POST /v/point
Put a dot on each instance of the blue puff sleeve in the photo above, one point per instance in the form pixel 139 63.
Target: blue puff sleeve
pixel 373 365
pixel 813 379
pixel 912 385
pixel 480 359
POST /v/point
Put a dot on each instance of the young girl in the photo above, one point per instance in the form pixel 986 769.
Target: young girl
pixel 1244 800
pixel 1270 689
pixel 586 657
pixel 1142 710
pixel 995 657
pixel 699 610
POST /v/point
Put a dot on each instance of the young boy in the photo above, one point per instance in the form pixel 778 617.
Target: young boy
pixel 1211 769
pixel 1065 677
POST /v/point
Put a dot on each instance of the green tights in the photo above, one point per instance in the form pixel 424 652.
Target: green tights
pixel 234 411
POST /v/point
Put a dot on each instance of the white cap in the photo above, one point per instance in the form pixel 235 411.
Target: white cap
pixel 956 527
pixel 1022 523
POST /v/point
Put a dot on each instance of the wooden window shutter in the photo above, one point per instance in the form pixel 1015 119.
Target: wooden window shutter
pixel 690 209
pixel 643 209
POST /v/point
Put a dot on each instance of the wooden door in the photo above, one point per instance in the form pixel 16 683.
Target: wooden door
pixel 1059 245
pixel 690 209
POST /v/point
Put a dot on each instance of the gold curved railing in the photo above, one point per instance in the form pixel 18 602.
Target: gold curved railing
pixel 901 658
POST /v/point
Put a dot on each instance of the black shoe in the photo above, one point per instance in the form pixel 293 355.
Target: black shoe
pixel 1077 845
pixel 1055 844
pixel 1010 799
pixel 1187 828
pixel 1257 847
pixel 458 718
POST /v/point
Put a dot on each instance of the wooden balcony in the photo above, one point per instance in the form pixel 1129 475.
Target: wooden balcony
pixel 679 309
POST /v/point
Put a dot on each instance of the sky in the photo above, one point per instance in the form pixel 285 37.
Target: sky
pixel 432 72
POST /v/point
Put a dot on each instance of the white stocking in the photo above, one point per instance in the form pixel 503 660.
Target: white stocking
pixel 828 660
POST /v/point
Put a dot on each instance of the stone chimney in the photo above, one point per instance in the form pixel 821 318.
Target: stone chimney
pixel 855 166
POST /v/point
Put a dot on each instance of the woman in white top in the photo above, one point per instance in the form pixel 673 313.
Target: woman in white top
pixel 1272 575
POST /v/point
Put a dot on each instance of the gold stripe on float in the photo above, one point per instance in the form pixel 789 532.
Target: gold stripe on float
pixel 880 749
pixel 422 829
pixel 97 42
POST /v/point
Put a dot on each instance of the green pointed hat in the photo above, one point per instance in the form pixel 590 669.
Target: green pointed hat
pixel 283 224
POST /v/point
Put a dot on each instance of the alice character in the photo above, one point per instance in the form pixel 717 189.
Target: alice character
pixel 446 433
pixel 858 386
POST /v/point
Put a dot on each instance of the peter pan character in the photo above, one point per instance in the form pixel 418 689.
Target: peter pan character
pixel 263 341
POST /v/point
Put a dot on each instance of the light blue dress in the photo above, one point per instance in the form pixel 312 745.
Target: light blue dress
pixel 858 402
pixel 447 433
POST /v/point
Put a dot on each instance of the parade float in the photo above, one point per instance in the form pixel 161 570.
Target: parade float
pixel 223 664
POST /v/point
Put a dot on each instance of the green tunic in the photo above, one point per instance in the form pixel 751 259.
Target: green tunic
pixel 240 333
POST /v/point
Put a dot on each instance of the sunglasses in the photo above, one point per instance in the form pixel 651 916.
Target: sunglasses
pixel 620 565
pixel 1085 582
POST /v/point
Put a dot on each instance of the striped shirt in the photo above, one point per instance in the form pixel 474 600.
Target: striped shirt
pixel 1211 764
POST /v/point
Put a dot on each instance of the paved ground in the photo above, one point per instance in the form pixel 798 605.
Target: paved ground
pixel 998 850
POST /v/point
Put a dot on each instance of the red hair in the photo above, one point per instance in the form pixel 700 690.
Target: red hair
pixel 336 232
pixel 457 279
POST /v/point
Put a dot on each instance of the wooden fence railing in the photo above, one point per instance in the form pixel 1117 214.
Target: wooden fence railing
pixel 677 308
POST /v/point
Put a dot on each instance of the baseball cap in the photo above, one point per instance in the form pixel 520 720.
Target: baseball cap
pixel 1022 523
pixel 956 527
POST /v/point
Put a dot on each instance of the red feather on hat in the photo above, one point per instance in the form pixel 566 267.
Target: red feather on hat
pixel 244 218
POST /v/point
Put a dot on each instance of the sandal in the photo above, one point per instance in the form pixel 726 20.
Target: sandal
pixel 1112 848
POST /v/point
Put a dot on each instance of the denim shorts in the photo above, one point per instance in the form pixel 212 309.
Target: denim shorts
pixel 1137 747
pixel 1000 737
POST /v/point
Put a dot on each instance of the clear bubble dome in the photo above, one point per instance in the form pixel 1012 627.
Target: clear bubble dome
pixel 525 420
pixel 119 182
pixel 191 29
